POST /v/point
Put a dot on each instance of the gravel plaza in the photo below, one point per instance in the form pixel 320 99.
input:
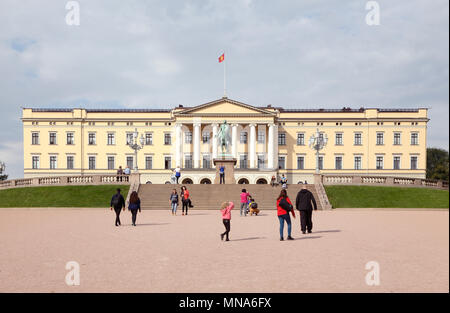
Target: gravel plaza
pixel 165 253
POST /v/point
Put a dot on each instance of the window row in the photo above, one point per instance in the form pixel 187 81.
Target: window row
pixel 357 162
pixel 357 139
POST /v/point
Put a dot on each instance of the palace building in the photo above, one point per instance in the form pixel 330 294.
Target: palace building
pixel 265 141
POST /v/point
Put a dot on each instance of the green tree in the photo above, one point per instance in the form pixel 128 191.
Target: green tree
pixel 437 164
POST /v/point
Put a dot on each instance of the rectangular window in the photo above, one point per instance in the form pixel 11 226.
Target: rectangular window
pixel 414 138
pixel 92 162
pixel 243 137
pixel 358 139
pixel 205 137
pixel 167 139
pixel 339 140
pixel 261 136
pixel 148 139
pixel 188 137
pixel 91 138
pixel 379 164
pixel 53 162
pixel 167 162
pixel 130 162
pixel 52 139
pixel 206 161
pixel 188 161
pixel 281 139
pixel 261 161
pixel 111 163
pixel 148 162
pixel 358 163
pixel 414 163
pixel 396 163
pixel 321 163
pixel 111 139
pixel 338 163
pixel 380 139
pixel 300 163
pixel 243 161
pixel 70 162
pixel 129 139
pixel 70 139
pixel 34 138
pixel 397 139
pixel 300 139
pixel 281 162
pixel 35 162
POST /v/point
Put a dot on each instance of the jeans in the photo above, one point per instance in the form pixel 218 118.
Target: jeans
pixel 306 220
pixel 222 178
pixel 177 178
pixel 227 225
pixel 243 209
pixel 117 210
pixel 133 216
pixel 174 207
pixel 286 218
pixel 185 205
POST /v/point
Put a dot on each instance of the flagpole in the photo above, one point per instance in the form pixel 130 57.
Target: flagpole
pixel 224 79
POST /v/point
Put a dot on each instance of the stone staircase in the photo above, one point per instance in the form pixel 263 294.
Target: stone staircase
pixel 210 196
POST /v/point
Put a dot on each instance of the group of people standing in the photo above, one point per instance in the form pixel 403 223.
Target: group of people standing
pixel 304 203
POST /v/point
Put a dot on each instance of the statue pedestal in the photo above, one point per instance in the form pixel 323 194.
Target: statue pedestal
pixel 228 164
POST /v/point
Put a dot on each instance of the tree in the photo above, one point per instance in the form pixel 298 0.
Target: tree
pixel 437 164
pixel 2 169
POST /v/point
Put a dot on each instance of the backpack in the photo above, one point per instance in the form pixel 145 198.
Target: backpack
pixel 116 200
pixel 285 205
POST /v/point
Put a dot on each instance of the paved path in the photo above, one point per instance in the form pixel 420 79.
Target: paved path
pixel 185 254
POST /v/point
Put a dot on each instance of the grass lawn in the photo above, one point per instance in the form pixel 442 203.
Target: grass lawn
pixel 60 196
pixel 386 197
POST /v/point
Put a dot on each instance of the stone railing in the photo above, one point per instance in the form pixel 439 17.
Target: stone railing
pixel 381 180
pixel 66 180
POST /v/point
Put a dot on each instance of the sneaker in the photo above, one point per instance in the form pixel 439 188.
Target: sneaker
pixel 303 232
pixel 221 236
pixel 290 238
pixel 309 231
pixel 281 239
pixel 227 239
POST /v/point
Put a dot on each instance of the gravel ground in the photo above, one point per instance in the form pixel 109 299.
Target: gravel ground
pixel 165 253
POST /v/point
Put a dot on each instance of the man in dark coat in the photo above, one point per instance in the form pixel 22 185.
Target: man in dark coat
pixel 117 202
pixel 304 203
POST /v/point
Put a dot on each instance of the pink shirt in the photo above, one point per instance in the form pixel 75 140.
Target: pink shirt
pixel 226 213
pixel 244 196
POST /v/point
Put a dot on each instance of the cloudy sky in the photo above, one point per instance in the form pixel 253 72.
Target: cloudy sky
pixel 158 54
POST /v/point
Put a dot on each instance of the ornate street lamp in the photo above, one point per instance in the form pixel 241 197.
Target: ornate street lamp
pixel 318 142
pixel 136 147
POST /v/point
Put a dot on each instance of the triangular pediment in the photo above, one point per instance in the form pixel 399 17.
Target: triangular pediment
pixel 225 106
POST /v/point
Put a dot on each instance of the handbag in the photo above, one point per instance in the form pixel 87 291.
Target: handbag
pixel 285 205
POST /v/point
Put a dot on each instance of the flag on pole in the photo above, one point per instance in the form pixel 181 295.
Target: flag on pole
pixel 222 57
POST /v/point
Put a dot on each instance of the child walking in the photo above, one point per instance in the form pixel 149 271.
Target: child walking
pixel 225 209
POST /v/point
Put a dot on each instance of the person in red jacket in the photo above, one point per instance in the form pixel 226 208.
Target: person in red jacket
pixel 184 199
pixel 284 206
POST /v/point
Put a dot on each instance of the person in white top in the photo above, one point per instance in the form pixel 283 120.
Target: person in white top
pixel 177 173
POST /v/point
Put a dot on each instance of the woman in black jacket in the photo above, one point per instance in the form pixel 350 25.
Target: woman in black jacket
pixel 134 206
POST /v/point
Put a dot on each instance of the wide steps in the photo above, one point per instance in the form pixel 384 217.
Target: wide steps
pixel 210 196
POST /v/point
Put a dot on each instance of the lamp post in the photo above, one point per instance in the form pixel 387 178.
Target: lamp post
pixel 136 147
pixel 317 142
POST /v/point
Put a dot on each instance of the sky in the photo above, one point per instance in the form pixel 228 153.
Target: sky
pixel 159 54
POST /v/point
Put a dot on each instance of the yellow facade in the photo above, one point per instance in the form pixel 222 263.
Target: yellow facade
pixel 271 133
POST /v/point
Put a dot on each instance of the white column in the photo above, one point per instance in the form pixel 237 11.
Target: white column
pixel 275 146
pixel 252 145
pixel 234 140
pixel 270 146
pixel 196 135
pixel 178 144
pixel 215 127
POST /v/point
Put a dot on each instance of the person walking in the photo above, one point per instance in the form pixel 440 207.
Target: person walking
pixel 305 203
pixel 225 209
pixel 244 199
pixel 134 206
pixel 284 206
pixel 222 174
pixel 177 173
pixel 119 173
pixel 174 201
pixel 184 199
pixel 117 202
